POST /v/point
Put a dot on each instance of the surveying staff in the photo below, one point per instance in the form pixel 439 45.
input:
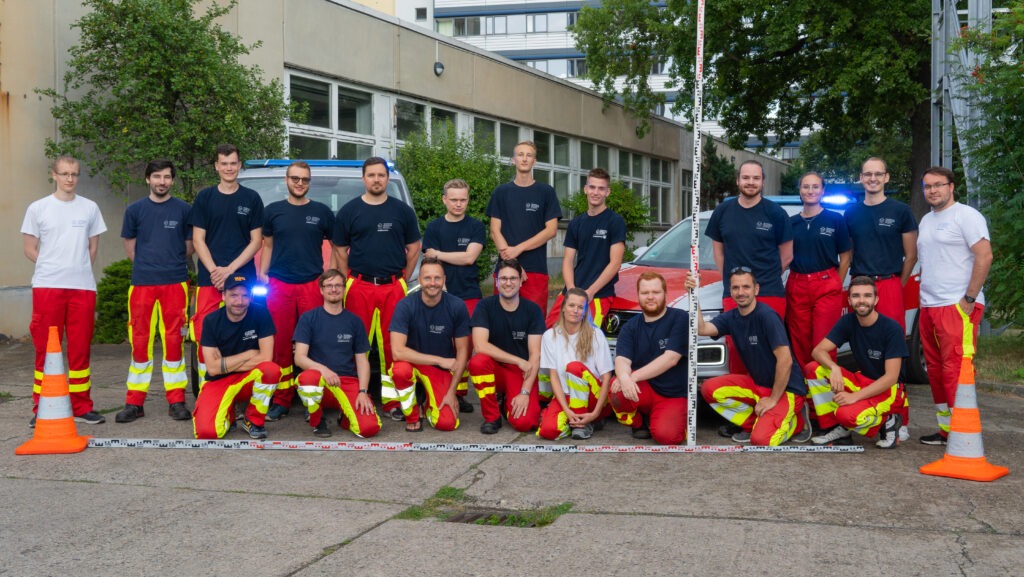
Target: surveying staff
pixel 157 239
pixel 60 234
pixel 594 244
pixel 238 342
pixel 376 245
pixel 865 401
pixel 331 347
pixel 226 231
pixel 524 216
pixel 956 254
pixel 294 231
pixel 430 341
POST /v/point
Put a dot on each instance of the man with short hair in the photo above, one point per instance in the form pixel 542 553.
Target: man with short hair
pixel 331 347
pixel 376 245
pixel 594 244
pixel 507 332
pixel 956 255
pixel 649 391
pixel 238 344
pixel 157 239
pixel 294 230
pixel 227 223
pixel 60 234
pixel 768 403
pixel 430 342
pixel 524 216
pixel 865 401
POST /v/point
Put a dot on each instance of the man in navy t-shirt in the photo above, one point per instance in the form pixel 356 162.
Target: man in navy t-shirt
pixel 238 343
pixel 507 332
pixel 376 245
pixel 594 244
pixel 649 390
pixel 294 231
pixel 866 401
pixel 768 403
pixel 331 347
pixel 157 239
pixel 524 216
pixel 430 342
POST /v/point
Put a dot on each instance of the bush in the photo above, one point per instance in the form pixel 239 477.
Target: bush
pixel 112 303
pixel 634 210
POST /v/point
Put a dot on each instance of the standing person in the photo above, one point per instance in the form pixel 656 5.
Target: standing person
pixel 376 245
pixel 579 365
pixel 524 216
pixel 157 239
pixel 821 258
pixel 227 222
pixel 456 240
pixel 649 393
pixel 430 342
pixel 294 231
pixel 331 347
pixel 60 234
pixel 956 254
pixel 768 403
pixel 238 343
pixel 594 244
pixel 865 401
pixel 507 331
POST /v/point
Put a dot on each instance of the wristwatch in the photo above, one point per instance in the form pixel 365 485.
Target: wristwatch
pixel 524 392
pixel 364 391
pixel 970 300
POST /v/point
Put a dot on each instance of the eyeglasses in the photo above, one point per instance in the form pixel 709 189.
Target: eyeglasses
pixel 334 286
pixel 740 269
pixel 508 279
pixel 299 179
pixel 873 174
pixel 66 174
pixel 930 187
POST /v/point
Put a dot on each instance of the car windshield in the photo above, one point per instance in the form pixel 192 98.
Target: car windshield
pixel 334 191
pixel 672 249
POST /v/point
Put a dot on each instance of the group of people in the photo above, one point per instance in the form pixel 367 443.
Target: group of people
pixel 549 372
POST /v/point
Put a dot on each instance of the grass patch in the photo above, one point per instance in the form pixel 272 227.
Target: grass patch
pixel 999 358
pixel 536 518
pixel 451 504
pixel 5 396
pixel 445 503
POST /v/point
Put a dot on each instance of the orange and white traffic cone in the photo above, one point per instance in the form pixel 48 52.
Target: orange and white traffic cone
pixel 55 425
pixel 965 452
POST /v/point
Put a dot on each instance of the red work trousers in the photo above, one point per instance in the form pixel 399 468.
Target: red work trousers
pixel 464 382
pixel 208 299
pixel 374 305
pixel 72 311
pixel 215 405
pixel 157 310
pixel 814 303
pixel 665 416
pixel 865 416
pixel 777 304
pixel 949 337
pixel 286 302
pixel 311 390
pixel 491 378
pixel 584 390
pixel 734 397
pixel 890 301
pixel 534 289
pixel 436 382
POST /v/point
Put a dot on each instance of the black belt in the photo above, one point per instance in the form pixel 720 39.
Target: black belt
pixel 375 280
pixel 877 277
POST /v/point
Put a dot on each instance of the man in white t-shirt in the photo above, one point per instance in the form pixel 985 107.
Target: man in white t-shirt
pixel 60 235
pixel 955 253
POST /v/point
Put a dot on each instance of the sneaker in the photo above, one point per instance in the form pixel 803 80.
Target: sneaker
pixel 833 435
pixel 741 437
pixel 889 435
pixel 129 414
pixel 464 405
pixel 584 432
pixel 598 424
pixel 92 418
pixel 805 434
pixel 934 439
pixel 490 427
pixel 32 423
pixel 277 412
pixel 233 426
pixel 255 431
pixel 642 432
pixel 178 412
pixel 396 414
pixel 904 434
pixel 728 430
pixel 322 430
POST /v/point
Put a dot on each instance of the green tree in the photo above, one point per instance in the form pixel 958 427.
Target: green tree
pixel 718 175
pixel 152 79
pixel 849 69
pixel 632 208
pixel 111 304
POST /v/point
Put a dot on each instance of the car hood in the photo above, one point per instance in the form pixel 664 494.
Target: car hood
pixel 709 295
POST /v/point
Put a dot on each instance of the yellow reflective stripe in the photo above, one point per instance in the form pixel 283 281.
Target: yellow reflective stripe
pixel 82 374
pixel 943 415
pixel 347 409
pixel 734 410
pixel 788 425
pixel 562 424
pixel 968 332
pixel 598 313
pixel 874 416
pixel 626 418
pixel 80 387
pixel 312 395
pixel 377 333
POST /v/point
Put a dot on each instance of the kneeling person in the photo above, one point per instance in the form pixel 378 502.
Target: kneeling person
pixel 867 401
pixel 237 343
pixel 331 346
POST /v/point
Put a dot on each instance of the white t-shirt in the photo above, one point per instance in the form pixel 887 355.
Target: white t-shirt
pixel 556 354
pixel 944 244
pixel 63 229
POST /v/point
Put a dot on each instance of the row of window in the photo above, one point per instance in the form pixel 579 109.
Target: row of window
pixel 561 67
pixel 506 24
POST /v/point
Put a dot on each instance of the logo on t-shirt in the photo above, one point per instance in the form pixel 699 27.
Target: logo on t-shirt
pixel 752 340
pixel 437 329
pixel 826 231
pixel 886 222
pixel 763 225
pixel 171 224
pixel 463 241
pixel 384 226
pixel 79 222
pixel 314 220
pixel 532 207
pixel 244 210
pixel 344 337
pixel 519 335
pixel 249 335
pixel 662 344
pixel 874 355
pixel 601 233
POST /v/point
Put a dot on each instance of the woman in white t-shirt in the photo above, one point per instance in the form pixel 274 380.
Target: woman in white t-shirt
pixel 575 355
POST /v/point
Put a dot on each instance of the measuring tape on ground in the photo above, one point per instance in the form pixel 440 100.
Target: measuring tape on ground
pixel 374 446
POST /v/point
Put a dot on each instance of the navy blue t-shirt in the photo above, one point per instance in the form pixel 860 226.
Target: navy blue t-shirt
pixel 431 330
pixel 160 230
pixel 877 234
pixel 299 232
pixel 461 281
pixel 593 237
pixel 376 235
pixel 229 220
pixel 524 210
pixel 756 337
pixel 641 342
pixel 871 346
pixel 334 340
pixel 751 237
pixel 818 241
pixel 509 330
pixel 231 338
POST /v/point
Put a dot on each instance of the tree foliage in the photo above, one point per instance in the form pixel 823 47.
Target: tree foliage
pixel 152 79
pixel 633 209
pixel 718 176
pixel 112 304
